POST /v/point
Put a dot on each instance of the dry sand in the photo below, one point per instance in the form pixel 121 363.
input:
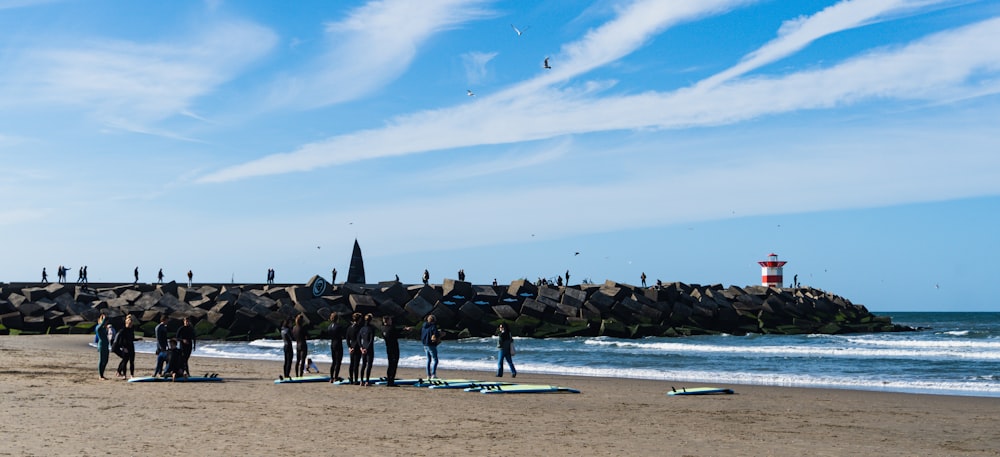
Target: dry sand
pixel 54 404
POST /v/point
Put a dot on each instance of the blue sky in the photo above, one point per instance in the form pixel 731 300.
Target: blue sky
pixel 685 139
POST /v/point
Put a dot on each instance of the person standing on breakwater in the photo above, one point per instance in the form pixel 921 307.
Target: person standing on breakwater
pixel 186 336
pixel 336 333
pixel 124 347
pixel 390 334
pixel 136 274
pixel 301 345
pixel 159 277
pixel 103 345
pixel 45 276
pixel 333 276
pixel 190 278
pixel 505 345
pixel 461 274
pixel 430 338
pixel 286 338
pixel 643 278
pixel 427 276
pixel 353 352
pixel 366 343
pixel 160 331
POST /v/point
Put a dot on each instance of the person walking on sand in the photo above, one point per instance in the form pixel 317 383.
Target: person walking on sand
pixel 430 338
pixel 286 338
pixel 366 343
pixel 103 344
pixel 186 336
pixel 505 346
pixel 336 332
pixel 353 351
pixel 301 345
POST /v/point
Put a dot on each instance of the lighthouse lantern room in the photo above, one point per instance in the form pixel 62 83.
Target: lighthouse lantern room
pixel 770 271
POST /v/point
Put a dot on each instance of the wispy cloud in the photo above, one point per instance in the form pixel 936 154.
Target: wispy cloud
pixel 143 83
pixel 475 65
pixel 796 34
pixel 371 47
pixel 946 63
pixel 633 26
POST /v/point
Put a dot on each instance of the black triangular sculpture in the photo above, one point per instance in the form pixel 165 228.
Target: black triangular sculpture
pixel 356 274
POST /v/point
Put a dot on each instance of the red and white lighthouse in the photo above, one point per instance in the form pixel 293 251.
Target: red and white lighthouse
pixel 770 271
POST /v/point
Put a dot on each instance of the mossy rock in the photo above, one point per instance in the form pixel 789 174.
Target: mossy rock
pixel 204 327
pixel 220 334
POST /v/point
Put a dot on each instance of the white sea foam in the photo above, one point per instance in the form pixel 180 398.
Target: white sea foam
pixel 899 349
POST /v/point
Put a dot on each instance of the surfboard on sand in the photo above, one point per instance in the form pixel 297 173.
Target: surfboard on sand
pixel 443 382
pixel 300 379
pixel 699 391
pixel 460 384
pixel 522 389
pixel 400 382
pixel 215 378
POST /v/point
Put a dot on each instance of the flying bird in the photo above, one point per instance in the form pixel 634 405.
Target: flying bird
pixel 518 31
pixel 577 253
pixel 469 93
pixel 546 64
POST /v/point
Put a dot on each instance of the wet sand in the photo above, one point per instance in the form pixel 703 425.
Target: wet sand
pixel 54 404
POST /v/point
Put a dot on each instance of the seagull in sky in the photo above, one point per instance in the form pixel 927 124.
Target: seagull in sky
pixel 546 64
pixel 518 31
pixel 469 93
pixel 577 253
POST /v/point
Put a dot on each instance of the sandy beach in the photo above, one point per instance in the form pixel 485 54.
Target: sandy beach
pixel 54 404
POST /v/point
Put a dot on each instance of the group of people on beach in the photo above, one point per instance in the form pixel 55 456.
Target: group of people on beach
pixel 360 338
pixel 172 354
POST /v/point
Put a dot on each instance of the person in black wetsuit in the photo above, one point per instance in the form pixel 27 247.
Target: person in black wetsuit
pixel 286 338
pixel 352 349
pixel 186 336
pixel 336 333
pixel 176 363
pixel 301 346
pixel 366 343
pixel 390 334
pixel 124 347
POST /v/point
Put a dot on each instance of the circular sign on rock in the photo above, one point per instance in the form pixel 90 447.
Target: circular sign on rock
pixel 319 286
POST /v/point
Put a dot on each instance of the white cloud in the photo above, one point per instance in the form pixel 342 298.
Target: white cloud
pixel 796 34
pixel 369 48
pixel 475 65
pixel 143 83
pixel 940 64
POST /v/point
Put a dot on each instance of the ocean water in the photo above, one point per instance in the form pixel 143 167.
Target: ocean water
pixel 956 354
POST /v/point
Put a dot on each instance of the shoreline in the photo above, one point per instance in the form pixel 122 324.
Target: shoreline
pixel 57 406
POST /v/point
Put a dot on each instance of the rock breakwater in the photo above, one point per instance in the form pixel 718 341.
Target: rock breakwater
pixel 250 311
